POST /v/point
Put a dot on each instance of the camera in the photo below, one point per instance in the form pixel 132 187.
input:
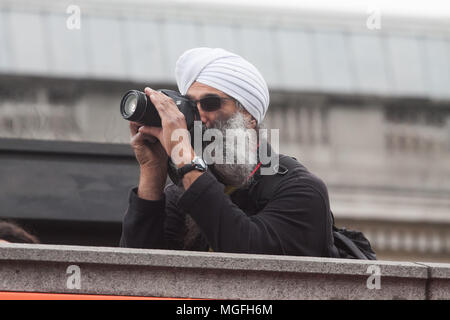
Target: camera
pixel 136 106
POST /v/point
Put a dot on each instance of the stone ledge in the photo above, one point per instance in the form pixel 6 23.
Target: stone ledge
pixel 164 273
pixel 439 280
pixel 209 260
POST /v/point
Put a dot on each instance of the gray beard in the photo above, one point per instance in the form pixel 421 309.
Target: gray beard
pixel 236 174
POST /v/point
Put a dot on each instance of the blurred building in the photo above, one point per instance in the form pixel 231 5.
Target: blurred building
pixel 366 110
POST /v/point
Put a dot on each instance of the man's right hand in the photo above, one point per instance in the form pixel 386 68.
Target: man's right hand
pixel 152 159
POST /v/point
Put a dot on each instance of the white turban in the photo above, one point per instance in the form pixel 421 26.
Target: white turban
pixel 227 72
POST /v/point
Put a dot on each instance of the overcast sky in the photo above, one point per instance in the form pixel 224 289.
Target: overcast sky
pixel 429 8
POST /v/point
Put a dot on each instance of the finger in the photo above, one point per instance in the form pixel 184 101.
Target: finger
pixel 164 105
pixel 159 102
pixel 134 126
pixel 150 131
pixel 166 102
pixel 157 98
pixel 148 138
pixel 150 92
pixel 169 110
pixel 138 138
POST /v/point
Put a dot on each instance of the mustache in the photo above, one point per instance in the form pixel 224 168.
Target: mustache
pixel 235 173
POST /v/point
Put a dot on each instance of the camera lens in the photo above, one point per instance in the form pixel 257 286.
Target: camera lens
pixel 134 105
pixel 130 105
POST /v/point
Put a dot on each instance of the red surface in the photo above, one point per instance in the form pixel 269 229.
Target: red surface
pixel 64 296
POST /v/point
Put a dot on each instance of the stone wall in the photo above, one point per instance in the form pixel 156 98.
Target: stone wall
pixel 161 273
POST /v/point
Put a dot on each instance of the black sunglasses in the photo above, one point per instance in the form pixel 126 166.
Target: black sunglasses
pixel 211 103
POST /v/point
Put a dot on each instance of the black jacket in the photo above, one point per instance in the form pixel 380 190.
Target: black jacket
pixel 287 214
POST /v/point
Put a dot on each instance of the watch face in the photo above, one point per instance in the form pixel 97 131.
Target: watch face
pixel 199 164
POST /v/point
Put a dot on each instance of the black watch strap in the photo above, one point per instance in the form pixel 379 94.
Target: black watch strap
pixel 197 164
pixel 185 169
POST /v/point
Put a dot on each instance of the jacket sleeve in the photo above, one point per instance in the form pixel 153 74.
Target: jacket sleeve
pixel 292 223
pixel 143 224
pixel 154 224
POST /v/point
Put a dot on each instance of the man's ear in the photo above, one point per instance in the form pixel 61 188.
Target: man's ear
pixel 253 123
pixel 251 120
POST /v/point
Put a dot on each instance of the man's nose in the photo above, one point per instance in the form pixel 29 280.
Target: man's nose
pixel 203 114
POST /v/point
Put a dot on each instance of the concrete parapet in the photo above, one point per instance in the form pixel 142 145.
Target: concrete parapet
pixel 164 273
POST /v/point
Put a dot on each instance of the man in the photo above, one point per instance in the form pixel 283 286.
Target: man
pixel 229 207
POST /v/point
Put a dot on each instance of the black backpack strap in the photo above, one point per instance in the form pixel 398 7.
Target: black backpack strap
pixel 352 244
pixel 285 165
pixel 342 242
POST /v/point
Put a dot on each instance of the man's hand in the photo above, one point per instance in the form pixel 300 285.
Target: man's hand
pixel 152 159
pixel 171 119
pixel 149 152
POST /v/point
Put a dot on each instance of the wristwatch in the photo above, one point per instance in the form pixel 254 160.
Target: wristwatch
pixel 196 164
